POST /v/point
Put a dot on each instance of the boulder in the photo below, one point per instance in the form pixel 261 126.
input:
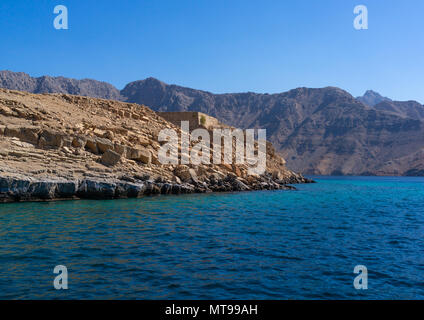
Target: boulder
pixel 109 135
pixel 104 145
pixel 2 128
pixel 6 111
pixel 26 134
pixel 50 138
pixel 29 134
pixel 186 174
pixel 144 142
pixel 110 158
pixel 181 172
pixel 143 156
pixel 91 145
pixel 79 142
pixel 239 186
pixel 121 149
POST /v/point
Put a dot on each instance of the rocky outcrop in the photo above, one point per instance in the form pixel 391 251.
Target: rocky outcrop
pixel 71 147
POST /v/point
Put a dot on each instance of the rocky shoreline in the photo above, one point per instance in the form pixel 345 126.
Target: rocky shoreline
pixel 55 147
pixel 26 189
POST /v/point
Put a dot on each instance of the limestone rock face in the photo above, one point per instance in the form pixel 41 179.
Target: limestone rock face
pixel 70 147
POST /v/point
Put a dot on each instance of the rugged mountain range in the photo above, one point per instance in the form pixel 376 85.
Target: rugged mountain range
pixel 319 131
pixel 45 84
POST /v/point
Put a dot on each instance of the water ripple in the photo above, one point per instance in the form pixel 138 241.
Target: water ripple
pixel 259 245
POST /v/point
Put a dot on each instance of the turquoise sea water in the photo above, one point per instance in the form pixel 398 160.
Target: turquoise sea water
pixel 256 245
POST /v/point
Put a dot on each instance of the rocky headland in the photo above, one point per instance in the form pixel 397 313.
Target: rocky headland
pixel 60 146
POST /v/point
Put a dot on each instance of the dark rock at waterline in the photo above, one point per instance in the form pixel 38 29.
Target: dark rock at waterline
pixel 13 189
pixel 96 190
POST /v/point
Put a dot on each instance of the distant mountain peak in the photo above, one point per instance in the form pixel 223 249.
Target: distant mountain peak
pixel 372 98
pixel 151 80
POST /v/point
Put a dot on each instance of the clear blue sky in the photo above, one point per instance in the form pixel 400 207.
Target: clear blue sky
pixel 222 45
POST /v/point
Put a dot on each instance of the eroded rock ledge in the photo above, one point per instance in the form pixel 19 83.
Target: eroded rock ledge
pixel 26 189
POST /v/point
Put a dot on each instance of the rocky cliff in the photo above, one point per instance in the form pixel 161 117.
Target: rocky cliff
pixel 59 146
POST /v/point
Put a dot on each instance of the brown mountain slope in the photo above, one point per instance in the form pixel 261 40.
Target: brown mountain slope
pixel 319 131
pixel 405 109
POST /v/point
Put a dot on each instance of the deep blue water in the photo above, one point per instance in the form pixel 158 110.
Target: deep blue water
pixel 256 245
